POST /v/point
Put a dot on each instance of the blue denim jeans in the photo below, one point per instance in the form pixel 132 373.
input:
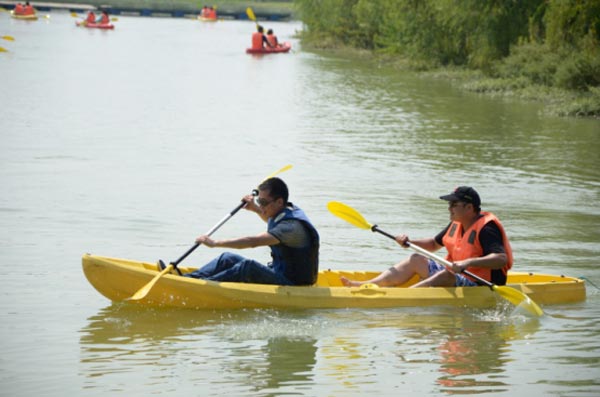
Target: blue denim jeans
pixel 235 268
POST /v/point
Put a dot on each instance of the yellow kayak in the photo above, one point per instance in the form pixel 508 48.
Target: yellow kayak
pixel 119 279
pixel 29 17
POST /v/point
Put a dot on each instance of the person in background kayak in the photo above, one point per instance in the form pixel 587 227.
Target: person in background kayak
pixel 272 39
pixel 212 13
pixel 475 241
pixel 28 9
pixel 19 9
pixel 91 17
pixel 103 19
pixel 259 39
pixel 293 240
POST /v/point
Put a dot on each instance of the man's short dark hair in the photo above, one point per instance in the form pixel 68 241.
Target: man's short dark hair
pixel 276 188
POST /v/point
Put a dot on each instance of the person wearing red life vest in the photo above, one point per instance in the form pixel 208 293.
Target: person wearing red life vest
pixel 19 9
pixel 259 39
pixel 103 19
pixel 475 241
pixel 28 9
pixel 91 17
pixel 212 13
pixel 272 39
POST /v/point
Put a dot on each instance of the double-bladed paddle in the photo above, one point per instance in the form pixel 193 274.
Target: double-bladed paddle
pixel 514 296
pixel 142 292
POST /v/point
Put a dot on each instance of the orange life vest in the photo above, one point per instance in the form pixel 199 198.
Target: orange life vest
pixel 212 14
pixel 104 19
pixel 257 40
pixel 29 10
pixel 272 39
pixel 19 10
pixel 91 18
pixel 463 245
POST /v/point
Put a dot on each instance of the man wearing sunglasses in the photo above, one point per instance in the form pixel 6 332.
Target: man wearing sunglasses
pixel 475 241
pixel 293 240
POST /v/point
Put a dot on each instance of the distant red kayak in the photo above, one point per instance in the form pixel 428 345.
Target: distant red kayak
pixel 283 47
pixel 85 24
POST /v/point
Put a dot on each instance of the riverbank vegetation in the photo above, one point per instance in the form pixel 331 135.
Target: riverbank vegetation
pixel 194 6
pixel 547 50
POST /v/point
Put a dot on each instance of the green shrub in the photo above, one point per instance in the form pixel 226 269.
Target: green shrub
pixel 534 62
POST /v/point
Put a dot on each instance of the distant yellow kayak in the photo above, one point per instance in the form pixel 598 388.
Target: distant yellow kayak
pixel 118 279
pixel 29 17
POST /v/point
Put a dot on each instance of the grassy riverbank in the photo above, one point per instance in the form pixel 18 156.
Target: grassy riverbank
pixel 192 6
pixel 556 101
pixel 545 50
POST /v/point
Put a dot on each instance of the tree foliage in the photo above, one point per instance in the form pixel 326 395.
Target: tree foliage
pixel 553 42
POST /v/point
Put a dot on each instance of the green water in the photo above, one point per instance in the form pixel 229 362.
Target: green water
pixel 132 142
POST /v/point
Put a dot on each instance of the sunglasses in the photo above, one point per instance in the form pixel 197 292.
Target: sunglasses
pixel 261 202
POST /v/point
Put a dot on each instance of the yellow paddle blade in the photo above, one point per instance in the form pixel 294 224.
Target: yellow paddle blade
pixel 114 19
pixel 348 214
pixel 9 38
pixel 142 292
pixel 74 14
pixel 519 299
pixel 2 49
pixel 251 14
pixel 283 169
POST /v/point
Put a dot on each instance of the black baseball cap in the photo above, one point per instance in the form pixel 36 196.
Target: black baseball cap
pixel 465 194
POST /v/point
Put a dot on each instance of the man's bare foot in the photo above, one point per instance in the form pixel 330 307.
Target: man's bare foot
pixel 350 283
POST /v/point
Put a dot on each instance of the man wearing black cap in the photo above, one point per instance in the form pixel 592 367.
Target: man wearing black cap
pixel 475 241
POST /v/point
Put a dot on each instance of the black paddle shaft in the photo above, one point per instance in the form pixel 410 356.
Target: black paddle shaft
pixel 374 228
